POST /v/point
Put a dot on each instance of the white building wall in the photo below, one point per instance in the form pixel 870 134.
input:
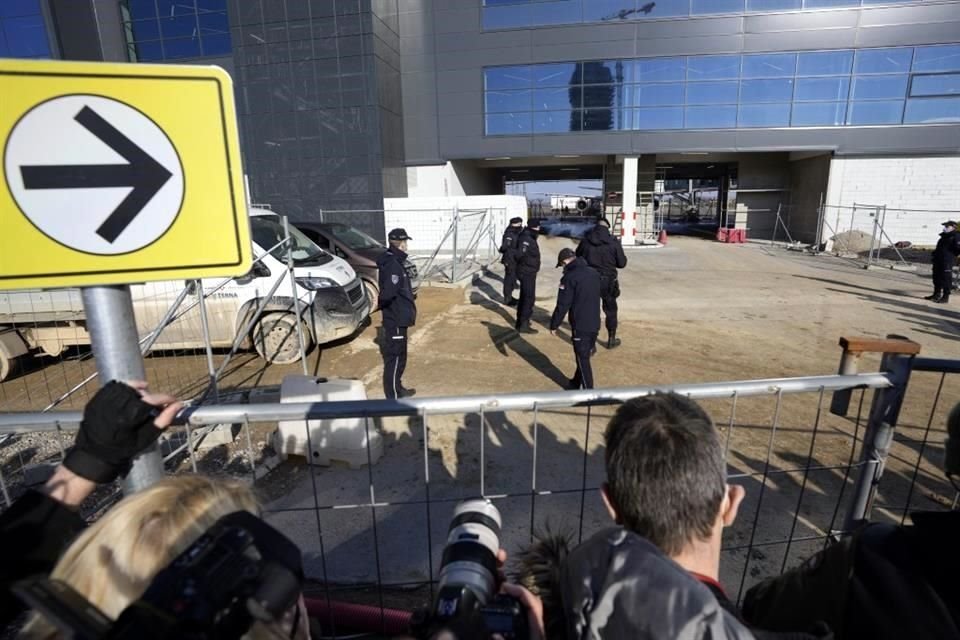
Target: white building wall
pixel 919 192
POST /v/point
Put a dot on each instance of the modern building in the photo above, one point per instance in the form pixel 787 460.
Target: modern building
pixel 771 104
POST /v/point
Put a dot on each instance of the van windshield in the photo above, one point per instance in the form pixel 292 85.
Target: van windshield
pixel 268 232
pixel 353 238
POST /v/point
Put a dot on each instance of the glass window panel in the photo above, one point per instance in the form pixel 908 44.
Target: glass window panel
pixel 216 44
pixel 508 78
pixel 879 87
pixel 657 94
pixel 945 84
pixel 506 17
pixel 4 50
pixel 26 37
pixel 932 111
pixel 141 9
pixel 606 72
pixel 660 70
pixel 713 67
pixel 15 8
pixel 179 26
pixel 822 89
pixel 557 121
pixel 599 120
pixel 557 98
pixel 145 30
pixel 211 5
pixel 508 123
pixel 724 117
pixel 712 92
pixel 780 90
pixel 883 60
pixel 506 101
pixel 825 63
pixel 772 5
pixel 149 51
pixel 557 12
pixel 609 10
pixel 658 9
pixel 813 114
pixel 599 96
pixel 817 4
pixel 181 48
pixel 937 58
pixel 716 6
pixel 764 115
pixel 880 112
pixel 766 65
pixel 212 23
pixel 494 3
pixel 658 118
pixel 556 75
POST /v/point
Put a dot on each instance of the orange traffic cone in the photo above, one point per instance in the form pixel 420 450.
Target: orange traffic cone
pixel 662 238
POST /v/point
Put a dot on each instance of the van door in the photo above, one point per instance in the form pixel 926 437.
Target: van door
pixel 152 300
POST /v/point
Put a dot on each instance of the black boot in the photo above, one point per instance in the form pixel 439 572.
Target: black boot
pixel 526 328
pixel 943 299
pixel 613 341
pixel 935 297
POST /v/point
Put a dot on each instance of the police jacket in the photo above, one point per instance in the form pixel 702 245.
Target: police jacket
pixel 948 248
pixel 509 245
pixel 602 251
pixel 579 296
pixel 528 252
pixel 396 293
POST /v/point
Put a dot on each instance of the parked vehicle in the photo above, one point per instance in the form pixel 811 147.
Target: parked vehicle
pixel 330 304
pixel 357 248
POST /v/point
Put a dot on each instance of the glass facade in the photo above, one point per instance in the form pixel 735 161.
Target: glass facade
pixel 23 33
pixel 902 85
pixel 158 30
pixel 519 14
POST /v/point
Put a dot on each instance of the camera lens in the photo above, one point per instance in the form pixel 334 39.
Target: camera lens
pixel 470 557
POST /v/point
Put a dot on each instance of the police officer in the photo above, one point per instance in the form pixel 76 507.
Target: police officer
pixel 579 296
pixel 508 248
pixel 528 265
pixel 604 253
pixel 399 312
pixel 944 258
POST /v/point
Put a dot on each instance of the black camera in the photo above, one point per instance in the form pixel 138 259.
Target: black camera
pixel 467 603
pixel 239 572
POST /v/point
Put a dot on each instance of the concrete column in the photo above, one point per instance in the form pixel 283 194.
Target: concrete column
pixel 630 167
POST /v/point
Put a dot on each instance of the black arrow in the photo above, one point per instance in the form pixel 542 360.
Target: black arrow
pixel 143 173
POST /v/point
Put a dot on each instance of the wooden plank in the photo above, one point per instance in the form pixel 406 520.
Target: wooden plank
pixel 880 345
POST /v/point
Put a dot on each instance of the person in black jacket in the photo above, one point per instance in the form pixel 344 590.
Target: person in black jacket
pixel 508 249
pixel 528 265
pixel 399 311
pixel 579 296
pixel 944 258
pixel 605 253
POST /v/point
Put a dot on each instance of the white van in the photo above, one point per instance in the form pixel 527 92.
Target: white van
pixel 331 304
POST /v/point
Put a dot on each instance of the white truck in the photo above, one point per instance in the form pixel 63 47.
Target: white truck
pixel 331 304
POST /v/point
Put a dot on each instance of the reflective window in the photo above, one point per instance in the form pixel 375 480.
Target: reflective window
pixel 820 4
pixel 818 114
pixel 599 119
pixel 944 84
pixel 507 77
pixel 660 70
pixel 657 94
pixel 720 117
pixel 883 60
pixel 599 96
pixel 170 29
pixel 937 58
pixel 712 92
pixel 716 6
pixel 769 65
pixel 658 118
pixel 557 121
pixel 822 89
pixel 713 67
pixel 878 112
pixel 766 90
pixel 557 98
pixel 879 87
pixel 764 115
pixel 556 75
pixel 825 63
pixel 599 72
pixel 23 33
pixel 504 101
pixel 932 111
pixel 553 13
pixel 772 5
pixel 508 123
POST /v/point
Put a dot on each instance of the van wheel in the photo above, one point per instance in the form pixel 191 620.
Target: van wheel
pixel 7 365
pixel 373 294
pixel 276 339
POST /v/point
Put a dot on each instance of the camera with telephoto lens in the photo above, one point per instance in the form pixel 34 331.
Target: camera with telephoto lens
pixel 468 604
pixel 240 571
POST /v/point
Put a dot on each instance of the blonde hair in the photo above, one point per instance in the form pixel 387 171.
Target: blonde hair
pixel 113 562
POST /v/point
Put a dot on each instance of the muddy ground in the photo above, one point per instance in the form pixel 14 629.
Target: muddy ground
pixel 693 311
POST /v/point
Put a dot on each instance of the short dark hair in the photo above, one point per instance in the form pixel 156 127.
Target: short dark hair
pixel 666 473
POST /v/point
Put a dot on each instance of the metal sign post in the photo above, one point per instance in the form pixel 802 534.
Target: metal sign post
pixel 116 350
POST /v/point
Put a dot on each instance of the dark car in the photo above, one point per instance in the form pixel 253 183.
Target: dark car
pixel 357 248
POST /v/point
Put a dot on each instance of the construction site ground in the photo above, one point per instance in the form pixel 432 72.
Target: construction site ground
pixel 692 311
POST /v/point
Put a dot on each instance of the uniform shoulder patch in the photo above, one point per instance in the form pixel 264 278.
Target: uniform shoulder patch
pixel 395 279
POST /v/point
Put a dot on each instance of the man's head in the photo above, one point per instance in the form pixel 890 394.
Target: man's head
pixel 534 223
pixel 950 225
pixel 565 257
pixel 398 239
pixel 666 473
pixel 516 222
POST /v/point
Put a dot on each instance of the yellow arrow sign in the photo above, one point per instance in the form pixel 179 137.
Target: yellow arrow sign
pixel 118 173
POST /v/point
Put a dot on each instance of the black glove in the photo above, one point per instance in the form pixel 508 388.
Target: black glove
pixel 117 425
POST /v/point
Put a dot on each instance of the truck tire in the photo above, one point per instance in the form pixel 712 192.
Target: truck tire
pixel 276 338
pixel 8 365
pixel 372 292
pixel 12 346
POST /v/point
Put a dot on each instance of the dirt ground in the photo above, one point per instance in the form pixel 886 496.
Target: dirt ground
pixel 693 311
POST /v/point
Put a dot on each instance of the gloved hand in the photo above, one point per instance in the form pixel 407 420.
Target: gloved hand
pixel 118 423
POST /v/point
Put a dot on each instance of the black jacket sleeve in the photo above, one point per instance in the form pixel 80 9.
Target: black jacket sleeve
pixel 34 532
pixel 564 302
pixel 389 289
pixel 621 256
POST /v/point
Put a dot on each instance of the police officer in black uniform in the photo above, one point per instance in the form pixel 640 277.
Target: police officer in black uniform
pixel 528 265
pixel 508 249
pixel 604 253
pixel 944 259
pixel 579 296
pixel 399 312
